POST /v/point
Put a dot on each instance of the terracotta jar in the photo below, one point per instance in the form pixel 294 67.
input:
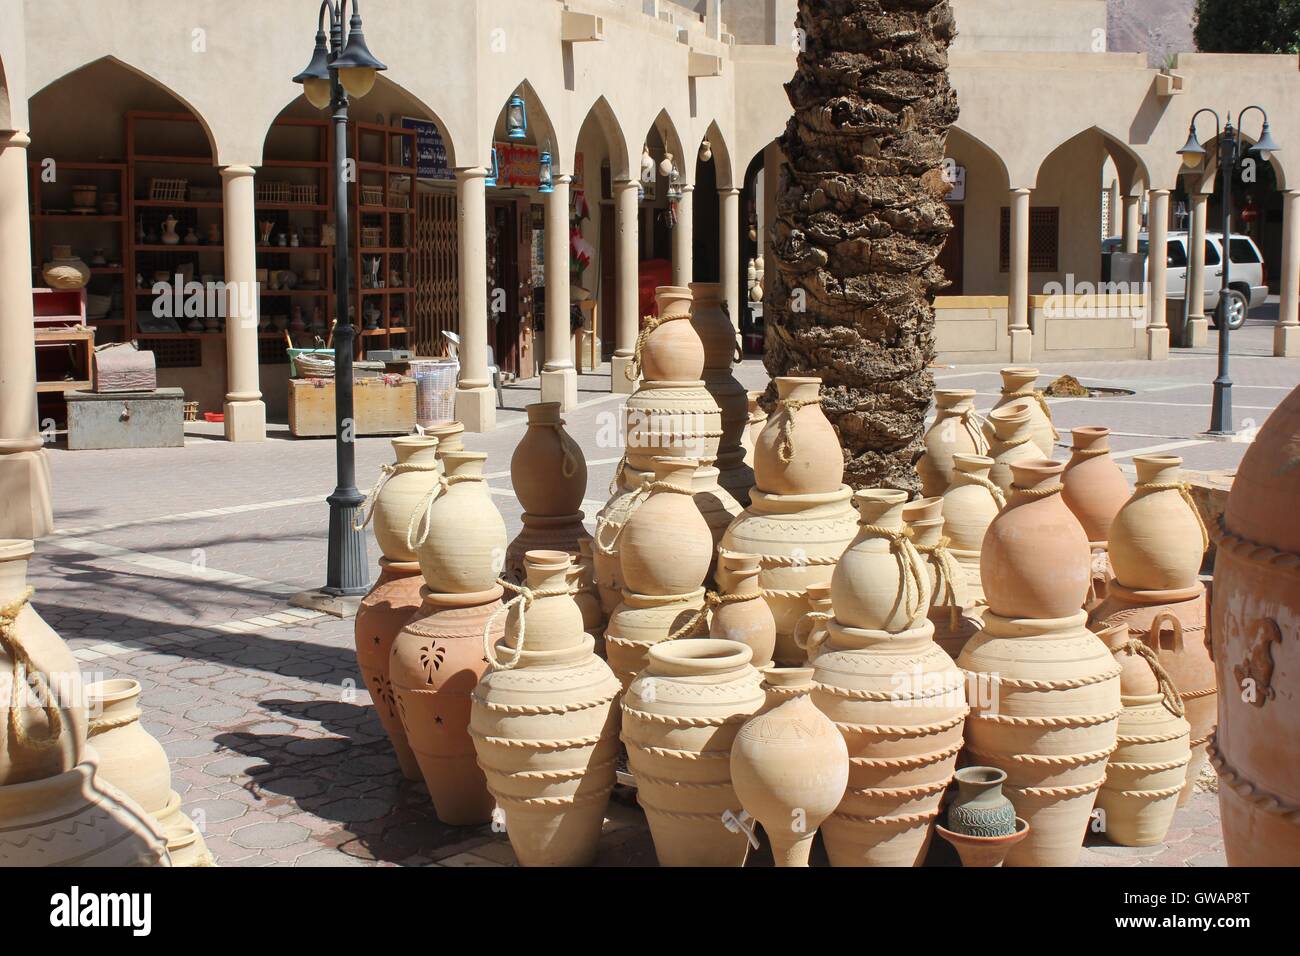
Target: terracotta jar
pixel 548 470
pixel 681 716
pixel 25 753
pixel 798 539
pixel 721 347
pixel 949 596
pixel 666 546
pixel 789 765
pixel 450 435
pixel 900 703
pixel 980 808
pixel 585 595
pixel 545 533
pixel 1095 488
pixel 462 544
pixel 1148 769
pixel 1045 707
pixel 714 502
pixel 957 430
pixel 754 425
pixel 129 757
pixel 382 614
pixel 1018 385
pixel 545 725
pixel 669 348
pixel 1254 610
pixel 1036 562
pixel 402 491
pixel 642 620
pixel 1012 441
pixel 798 452
pixel 680 419
pixel 811 632
pixel 880 582
pixel 65 270
pixel 970 504
pixel 742 615
pixel 434 666
pixel 1157 539
pixel 978 851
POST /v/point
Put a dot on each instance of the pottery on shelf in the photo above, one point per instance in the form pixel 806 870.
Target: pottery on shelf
pixel 462 538
pixel 1011 441
pixel 980 808
pixel 789 765
pixel 545 724
pixel 402 493
pixel 382 614
pixel 666 546
pixel 672 350
pixel 970 504
pixel 681 716
pixel 957 430
pixel 129 757
pixel 65 270
pixel 880 582
pixel 434 665
pixel 640 621
pixel 170 237
pixel 1157 539
pixel 720 338
pixel 1018 386
pixel 1095 488
pixel 798 452
pixel 743 616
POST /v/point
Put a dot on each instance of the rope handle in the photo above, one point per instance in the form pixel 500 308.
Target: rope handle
pixel 712 601
pixel 910 566
pixel 23 665
pixel 422 516
pixel 525 596
pixel 632 371
pixel 642 495
pixel 569 467
pixel 999 497
pixel 807 644
pixel 1042 403
pixel 1185 490
pixel 1039 492
pixel 1173 700
pixel 785 442
pixel 946 574
pixel 975 424
pixel 387 472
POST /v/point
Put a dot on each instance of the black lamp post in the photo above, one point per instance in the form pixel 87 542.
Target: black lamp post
pixel 1230 154
pixel 335 72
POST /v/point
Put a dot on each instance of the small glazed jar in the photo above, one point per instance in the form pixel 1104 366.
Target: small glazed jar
pixel 980 808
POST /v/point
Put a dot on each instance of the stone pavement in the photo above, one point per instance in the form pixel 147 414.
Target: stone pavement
pixel 173 566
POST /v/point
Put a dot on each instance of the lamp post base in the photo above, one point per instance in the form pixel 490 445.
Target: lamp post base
pixel 331 604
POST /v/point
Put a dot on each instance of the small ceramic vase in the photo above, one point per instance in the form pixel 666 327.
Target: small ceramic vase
pixel 1095 488
pixel 666 546
pixel 1157 540
pixel 672 351
pixel 980 808
pixel 462 540
pixel 129 757
pixel 949 595
pixel 548 470
pixel 1012 440
pixel 970 504
pixel 1018 385
pixel 402 491
pixel 798 452
pixel 743 616
pixel 880 582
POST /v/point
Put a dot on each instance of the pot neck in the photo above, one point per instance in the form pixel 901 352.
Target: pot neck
pixel 416 449
pixel 467 466
pixel 798 389
pixel 879 508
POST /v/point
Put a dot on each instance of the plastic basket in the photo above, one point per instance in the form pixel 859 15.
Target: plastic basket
pixel 435 390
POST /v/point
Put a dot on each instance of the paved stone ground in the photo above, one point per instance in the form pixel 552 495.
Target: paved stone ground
pixel 174 566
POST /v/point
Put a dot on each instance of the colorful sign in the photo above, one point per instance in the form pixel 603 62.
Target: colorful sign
pixel 430 150
pixel 519 166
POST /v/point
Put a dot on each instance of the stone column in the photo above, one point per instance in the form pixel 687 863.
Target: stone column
pixel 627 323
pixel 1022 337
pixel 684 239
pixel 729 252
pixel 25 505
pixel 559 377
pixel 1286 336
pixel 1132 222
pixel 245 412
pixel 1157 276
pixel 476 406
pixel 1198 326
pixel 1116 224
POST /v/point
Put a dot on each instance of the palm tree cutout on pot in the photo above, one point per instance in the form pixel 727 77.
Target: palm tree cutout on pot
pixel 431 658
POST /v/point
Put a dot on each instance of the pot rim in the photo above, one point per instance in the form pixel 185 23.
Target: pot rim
pixel 788 677
pixel 544 413
pixel 112 691
pixel 548 560
pixel 974 462
pixel 1013 413
pixel 956 394
pixel 16 549
pixel 699 656
pixel 981 776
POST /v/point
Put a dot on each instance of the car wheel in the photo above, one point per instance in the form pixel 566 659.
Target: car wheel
pixel 1238 309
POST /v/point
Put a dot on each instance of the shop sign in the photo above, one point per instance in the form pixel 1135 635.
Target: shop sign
pixel 430 150
pixel 520 166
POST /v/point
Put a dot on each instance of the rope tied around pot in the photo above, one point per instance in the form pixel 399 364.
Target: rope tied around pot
pixel 999 497
pixel 785 443
pixel 974 425
pixel 632 371
pixel 569 467
pixel 712 601
pixel 1038 396
pixel 617 481
pixel 1039 492
pixel 1185 490
pixel 422 516
pixel 524 596
pixel 1015 442
pixel 648 488
pixel 1089 452
pixel 807 644
pixel 909 561
pixel 386 473
pixel 1173 700
pixel 946 574
pixel 23 665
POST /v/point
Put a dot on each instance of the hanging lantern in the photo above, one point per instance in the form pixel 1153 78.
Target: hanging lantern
pixel 545 184
pixel 647 166
pixel 674 184
pixel 516 118
pixel 492 175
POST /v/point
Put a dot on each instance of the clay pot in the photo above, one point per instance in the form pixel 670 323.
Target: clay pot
pixel 672 352
pixel 548 470
pixel 65 270
pixel 1157 539
pixel 977 851
pixel 747 620
pixel 382 614
pixel 714 502
pixel 545 725
pixel 1045 710
pixel 29 758
pixel 403 490
pixel 585 595
pixel 1018 385
pixel 185 844
pixel 798 452
pixel 1095 488
pixel 980 808
pixel 642 620
pixel 677 419
pixel 957 430
pixel 681 716
pixel 450 435
pixel 719 337
pixel 464 542
pixel 900 703
pixel 789 765
pixel 129 757
pixel 666 546
pixel 545 533
pixel 434 666
pixel 969 506
pixel 1012 441
pixel 812 632
pixel 1036 562
pixel 74 819
pixel 798 539
pixel 949 595
pixel 1148 769
pixel 754 425
pixel 880 582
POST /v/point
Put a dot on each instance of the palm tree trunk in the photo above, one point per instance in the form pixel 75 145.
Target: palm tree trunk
pixel 861 218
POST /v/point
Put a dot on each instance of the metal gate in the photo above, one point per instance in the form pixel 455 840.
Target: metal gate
pixel 437 283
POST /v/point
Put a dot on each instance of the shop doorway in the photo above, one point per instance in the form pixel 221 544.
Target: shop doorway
pixel 953 255
pixel 510 285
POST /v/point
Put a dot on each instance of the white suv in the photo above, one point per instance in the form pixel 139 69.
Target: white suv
pixel 1248 278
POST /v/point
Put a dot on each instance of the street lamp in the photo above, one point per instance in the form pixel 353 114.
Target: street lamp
pixel 334 73
pixel 1230 154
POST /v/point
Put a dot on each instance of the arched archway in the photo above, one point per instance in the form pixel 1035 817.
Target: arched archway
pixel 980 188
pixel 6 114
pixel 601 160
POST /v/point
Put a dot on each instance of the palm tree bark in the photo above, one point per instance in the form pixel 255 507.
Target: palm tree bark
pixel 861 218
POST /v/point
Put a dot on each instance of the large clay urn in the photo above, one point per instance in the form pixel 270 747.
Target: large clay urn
pixel 640 621
pixel 1095 488
pixel 548 470
pixel 669 348
pixel 434 666
pixel 798 452
pixel 1157 539
pixel 545 724
pixel 129 757
pixel 1012 440
pixel 403 490
pixel 666 546
pixel 789 765
pixel 1036 562
pixel 880 582
pixel 970 504
pixel 1018 385
pixel 681 716
pixel 721 348
pixel 680 419
pixel 1255 616
pixel 462 542
pixel 1147 771
pixel 957 430
pixel 741 614
pixel 382 614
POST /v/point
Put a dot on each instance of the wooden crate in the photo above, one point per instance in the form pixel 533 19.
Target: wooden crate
pixel 382 406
